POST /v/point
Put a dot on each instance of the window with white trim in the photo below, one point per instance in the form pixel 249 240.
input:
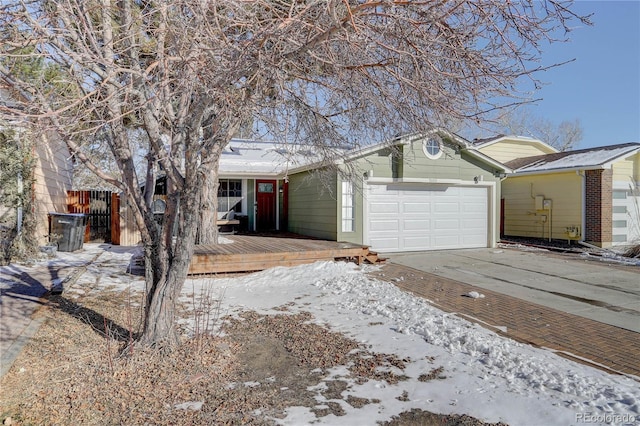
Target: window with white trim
pixel 348 207
pixel 230 195
pixel 432 147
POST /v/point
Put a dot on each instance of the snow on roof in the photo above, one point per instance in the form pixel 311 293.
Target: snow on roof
pixel 253 157
pixel 578 159
pixel 243 157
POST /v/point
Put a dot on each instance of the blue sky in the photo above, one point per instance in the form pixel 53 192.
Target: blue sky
pixel 601 87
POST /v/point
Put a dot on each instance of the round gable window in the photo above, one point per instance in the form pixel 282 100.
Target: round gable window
pixel 432 147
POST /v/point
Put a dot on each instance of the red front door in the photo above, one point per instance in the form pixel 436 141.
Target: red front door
pixel 266 191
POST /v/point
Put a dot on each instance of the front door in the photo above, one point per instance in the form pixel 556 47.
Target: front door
pixel 266 191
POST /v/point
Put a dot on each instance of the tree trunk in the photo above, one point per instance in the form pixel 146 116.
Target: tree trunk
pixel 166 268
pixel 159 319
pixel 208 213
pixel 207 228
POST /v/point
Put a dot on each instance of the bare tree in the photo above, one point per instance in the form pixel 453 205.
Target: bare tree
pixel 564 136
pixel 325 73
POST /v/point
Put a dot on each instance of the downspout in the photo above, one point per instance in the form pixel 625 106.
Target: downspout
pixel 20 184
pixel 550 222
pixel 583 217
pixel 19 209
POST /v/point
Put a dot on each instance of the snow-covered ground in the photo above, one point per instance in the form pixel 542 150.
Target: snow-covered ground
pixel 487 376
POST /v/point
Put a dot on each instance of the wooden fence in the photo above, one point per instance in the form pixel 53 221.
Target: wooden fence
pixel 102 213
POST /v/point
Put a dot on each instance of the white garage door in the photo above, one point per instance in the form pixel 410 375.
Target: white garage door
pixel 410 217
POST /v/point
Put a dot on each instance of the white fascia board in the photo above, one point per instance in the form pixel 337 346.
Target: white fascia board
pixel 560 170
pixel 250 175
pixel 450 182
pixel 383 181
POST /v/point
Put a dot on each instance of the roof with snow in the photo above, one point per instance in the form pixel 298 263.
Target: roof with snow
pixel 243 157
pixel 579 159
pixel 250 157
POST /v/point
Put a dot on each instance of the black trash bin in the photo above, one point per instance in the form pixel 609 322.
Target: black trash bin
pixel 67 230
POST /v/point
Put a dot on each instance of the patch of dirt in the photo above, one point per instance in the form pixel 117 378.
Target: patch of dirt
pixel 418 417
pixel 436 373
pixel 83 367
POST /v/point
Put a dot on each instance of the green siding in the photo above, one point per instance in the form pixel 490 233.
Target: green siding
pixel 453 164
pixel 380 162
pixel 411 163
pixel 313 205
pixel 251 199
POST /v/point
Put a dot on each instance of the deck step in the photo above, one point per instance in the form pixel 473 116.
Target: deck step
pixel 373 257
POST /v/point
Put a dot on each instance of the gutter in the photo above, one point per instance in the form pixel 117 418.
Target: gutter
pixel 562 170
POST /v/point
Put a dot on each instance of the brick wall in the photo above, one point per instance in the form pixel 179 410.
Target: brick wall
pixel 599 200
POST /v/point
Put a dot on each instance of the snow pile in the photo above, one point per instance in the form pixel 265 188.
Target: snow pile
pixel 612 257
pixel 475 295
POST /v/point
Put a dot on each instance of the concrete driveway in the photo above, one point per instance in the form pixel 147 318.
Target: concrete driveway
pixel 605 292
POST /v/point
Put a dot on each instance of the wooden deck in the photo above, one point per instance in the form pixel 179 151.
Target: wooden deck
pixel 255 253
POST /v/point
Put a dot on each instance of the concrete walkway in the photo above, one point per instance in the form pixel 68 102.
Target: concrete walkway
pixel 22 287
pixel 571 334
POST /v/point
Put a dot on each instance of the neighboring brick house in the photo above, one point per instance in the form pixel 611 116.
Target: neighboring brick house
pixel 586 195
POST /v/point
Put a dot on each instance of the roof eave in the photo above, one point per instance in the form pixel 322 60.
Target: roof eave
pixel 622 156
pixel 250 175
pixel 558 170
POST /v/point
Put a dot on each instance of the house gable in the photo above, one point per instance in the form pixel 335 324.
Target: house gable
pixel 409 159
pixel 508 148
pixel 627 170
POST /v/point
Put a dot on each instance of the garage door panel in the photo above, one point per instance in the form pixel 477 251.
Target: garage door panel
pixel 447 225
pixel 416 243
pixel 416 224
pixel 415 207
pixel 447 207
pixel 385 244
pixel 413 217
pixel 473 241
pixel 474 207
pixel 472 225
pixel 385 225
pixel 451 241
pixel 382 207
